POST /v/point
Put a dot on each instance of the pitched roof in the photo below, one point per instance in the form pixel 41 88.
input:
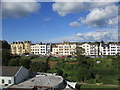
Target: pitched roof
pixel 9 70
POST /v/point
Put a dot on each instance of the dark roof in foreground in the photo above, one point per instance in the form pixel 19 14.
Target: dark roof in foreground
pixel 9 70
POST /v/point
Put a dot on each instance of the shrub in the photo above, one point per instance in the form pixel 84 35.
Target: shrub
pixel 90 81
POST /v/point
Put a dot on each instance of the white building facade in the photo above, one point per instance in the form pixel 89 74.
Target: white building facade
pixel 41 49
pixel 100 48
pixel 109 48
pixel 90 48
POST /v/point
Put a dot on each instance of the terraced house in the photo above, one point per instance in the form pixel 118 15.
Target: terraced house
pixel 21 47
pixel 41 49
pixel 66 48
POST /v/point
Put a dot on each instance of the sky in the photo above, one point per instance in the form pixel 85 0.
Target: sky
pixel 60 21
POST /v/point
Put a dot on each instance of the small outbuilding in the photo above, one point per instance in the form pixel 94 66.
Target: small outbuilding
pixel 12 75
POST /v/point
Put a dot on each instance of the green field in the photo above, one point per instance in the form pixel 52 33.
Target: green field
pixel 96 86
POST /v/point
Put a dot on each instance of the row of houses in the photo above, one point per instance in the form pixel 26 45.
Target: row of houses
pixel 65 48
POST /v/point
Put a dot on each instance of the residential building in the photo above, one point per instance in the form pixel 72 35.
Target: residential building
pixel 12 75
pixel 19 48
pixel 41 49
pixel 90 48
pixel 111 48
pixel 65 48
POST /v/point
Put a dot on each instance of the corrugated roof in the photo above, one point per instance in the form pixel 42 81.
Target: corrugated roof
pixel 9 70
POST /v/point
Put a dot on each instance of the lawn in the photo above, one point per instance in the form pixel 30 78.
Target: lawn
pixel 96 86
pixel 40 59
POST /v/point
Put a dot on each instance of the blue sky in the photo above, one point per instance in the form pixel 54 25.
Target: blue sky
pixel 57 22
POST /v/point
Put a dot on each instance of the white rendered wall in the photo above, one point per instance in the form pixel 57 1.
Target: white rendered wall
pixel 6 80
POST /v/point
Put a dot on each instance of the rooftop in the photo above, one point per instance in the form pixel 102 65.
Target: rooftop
pixel 42 80
pixel 9 70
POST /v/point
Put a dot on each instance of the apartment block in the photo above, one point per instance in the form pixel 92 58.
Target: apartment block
pixel 65 48
pixel 90 48
pixel 41 49
pixel 19 48
pixel 111 48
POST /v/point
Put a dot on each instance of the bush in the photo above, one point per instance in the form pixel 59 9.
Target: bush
pixel 107 81
pixel 59 72
pixel 25 63
pixel 39 67
pixel 90 81
pixel 77 86
pixel 14 62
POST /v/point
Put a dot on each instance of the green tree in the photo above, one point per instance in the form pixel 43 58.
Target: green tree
pixel 59 72
pixel 77 86
pixel 14 62
pixel 65 75
pixel 39 67
pixel 4 44
pixel 25 62
pixel 4 52
pixel 97 78
pixel 5 57
pixel 80 51
pixel 83 74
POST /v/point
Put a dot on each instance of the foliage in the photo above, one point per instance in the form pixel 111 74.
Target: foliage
pixel 14 62
pixel 5 52
pixel 90 81
pixel 39 67
pixel 97 78
pixel 77 86
pixel 4 44
pixel 64 75
pixel 25 62
pixel 5 57
pixel 80 51
pixel 59 72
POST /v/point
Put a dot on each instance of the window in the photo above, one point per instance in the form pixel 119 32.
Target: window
pixel 3 81
pixel 9 81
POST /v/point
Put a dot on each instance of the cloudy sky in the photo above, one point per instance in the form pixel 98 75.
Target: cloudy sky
pixel 60 21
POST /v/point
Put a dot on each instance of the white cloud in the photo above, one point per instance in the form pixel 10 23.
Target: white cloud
pixel 99 17
pixel 19 9
pixel 97 35
pixel 114 21
pixel 107 35
pixel 74 24
pixel 64 8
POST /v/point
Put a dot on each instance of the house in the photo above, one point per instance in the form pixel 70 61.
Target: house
pixel 12 75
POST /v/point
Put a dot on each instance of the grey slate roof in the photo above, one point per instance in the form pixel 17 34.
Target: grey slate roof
pixel 9 70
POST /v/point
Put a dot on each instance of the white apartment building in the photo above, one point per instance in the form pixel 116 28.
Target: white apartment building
pixel 41 49
pixel 90 48
pixel 109 48
pixel 65 48
pixel 100 49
